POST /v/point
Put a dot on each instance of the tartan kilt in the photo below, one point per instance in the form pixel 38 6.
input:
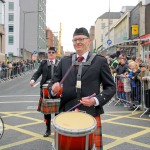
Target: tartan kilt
pixel 48 107
pixel 98 134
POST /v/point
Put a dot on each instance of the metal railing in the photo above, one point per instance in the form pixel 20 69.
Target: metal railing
pixel 7 74
pixel 133 94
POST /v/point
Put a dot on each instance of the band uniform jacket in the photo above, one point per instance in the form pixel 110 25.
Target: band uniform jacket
pixel 98 73
pixel 43 70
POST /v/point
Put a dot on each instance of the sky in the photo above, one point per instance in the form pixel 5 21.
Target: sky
pixel 74 14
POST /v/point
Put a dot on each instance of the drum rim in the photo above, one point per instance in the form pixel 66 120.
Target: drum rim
pixel 81 132
pixel 45 85
pixel 50 100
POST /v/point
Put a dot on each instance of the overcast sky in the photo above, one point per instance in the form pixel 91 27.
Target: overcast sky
pixel 79 13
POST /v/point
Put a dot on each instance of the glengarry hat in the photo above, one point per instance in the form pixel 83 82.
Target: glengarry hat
pixel 52 49
pixel 81 31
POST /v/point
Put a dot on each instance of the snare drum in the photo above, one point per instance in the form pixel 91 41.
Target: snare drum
pixel 74 131
pixel 45 91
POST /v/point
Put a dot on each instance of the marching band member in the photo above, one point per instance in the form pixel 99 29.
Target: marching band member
pixel 46 69
pixel 86 76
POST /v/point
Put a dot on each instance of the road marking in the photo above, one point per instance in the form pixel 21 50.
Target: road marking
pixel 128 139
pixel 19 96
pixel 14 102
pixel 36 84
pixel 32 107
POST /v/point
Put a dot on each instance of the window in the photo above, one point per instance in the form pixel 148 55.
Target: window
pixel 103 25
pixel 111 21
pixel 11 28
pixel 11 6
pixel 10 39
pixel 11 17
pixel 101 37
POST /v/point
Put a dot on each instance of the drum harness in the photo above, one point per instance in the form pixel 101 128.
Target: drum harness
pixel 79 77
pixel 52 66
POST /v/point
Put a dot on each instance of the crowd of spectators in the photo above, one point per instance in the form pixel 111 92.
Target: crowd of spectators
pixel 11 69
pixel 132 77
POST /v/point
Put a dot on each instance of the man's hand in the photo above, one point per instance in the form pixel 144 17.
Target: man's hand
pixel 56 87
pixel 88 102
pixel 32 82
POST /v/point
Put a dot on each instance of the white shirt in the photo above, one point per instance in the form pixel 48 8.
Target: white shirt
pixel 53 61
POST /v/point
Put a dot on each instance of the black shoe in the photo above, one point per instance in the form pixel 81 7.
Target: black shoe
pixel 47 133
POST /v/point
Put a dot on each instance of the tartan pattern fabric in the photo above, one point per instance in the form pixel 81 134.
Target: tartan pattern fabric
pixel 120 86
pixel 98 134
pixel 48 107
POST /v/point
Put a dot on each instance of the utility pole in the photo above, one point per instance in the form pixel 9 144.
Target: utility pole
pixel 59 42
pixel 109 22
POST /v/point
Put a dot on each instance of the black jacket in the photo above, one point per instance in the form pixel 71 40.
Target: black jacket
pixel 92 77
pixel 43 70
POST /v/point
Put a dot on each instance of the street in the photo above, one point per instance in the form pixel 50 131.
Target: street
pixel 24 126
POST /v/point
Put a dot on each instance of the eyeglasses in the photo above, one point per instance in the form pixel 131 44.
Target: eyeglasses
pixel 79 40
pixel 51 52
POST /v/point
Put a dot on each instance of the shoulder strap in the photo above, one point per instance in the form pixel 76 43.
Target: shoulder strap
pixel 88 63
pixel 56 64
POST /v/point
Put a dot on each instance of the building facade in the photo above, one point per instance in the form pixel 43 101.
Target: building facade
pixel 2 31
pixel 33 26
pixel 49 37
pixel 25 24
pixel 102 26
pixel 93 45
pixel 12 28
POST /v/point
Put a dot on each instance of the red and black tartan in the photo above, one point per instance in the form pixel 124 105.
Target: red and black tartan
pixel 48 107
pixel 120 86
pixel 98 134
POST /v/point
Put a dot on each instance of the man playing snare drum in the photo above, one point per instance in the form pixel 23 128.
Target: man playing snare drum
pixel 87 74
pixel 46 69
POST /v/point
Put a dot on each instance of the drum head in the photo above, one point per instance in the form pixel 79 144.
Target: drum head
pixel 74 122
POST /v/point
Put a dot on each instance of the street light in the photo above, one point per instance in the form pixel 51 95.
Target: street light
pixel 24 13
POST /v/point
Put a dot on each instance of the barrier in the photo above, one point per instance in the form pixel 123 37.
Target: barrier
pixel 7 74
pixel 132 93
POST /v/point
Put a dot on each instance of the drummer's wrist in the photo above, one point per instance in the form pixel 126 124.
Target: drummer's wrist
pixel 32 81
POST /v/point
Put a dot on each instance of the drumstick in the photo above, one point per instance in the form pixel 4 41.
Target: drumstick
pixel 66 74
pixel 80 103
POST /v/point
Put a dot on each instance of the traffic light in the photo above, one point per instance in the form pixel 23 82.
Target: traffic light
pixel 95 51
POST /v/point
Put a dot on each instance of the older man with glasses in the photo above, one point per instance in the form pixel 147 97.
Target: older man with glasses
pixel 92 71
pixel 46 69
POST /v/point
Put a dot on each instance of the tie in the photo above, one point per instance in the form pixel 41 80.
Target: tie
pixel 80 58
pixel 51 62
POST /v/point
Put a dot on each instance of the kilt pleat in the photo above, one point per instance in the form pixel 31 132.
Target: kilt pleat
pixel 98 134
